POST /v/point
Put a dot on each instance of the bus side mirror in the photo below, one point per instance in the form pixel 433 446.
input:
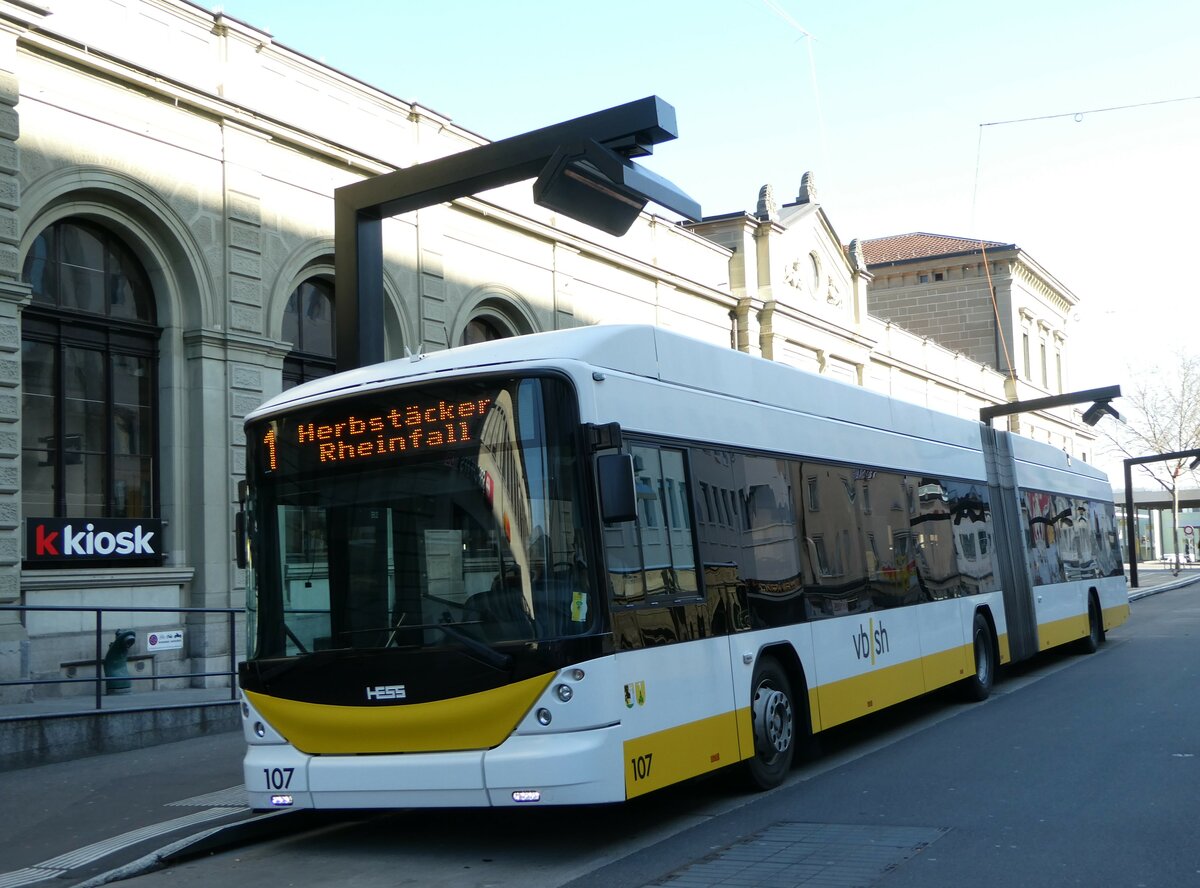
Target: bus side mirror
pixel 618 497
pixel 239 539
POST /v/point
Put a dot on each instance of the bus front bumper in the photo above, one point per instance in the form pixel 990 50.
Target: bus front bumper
pixel 583 767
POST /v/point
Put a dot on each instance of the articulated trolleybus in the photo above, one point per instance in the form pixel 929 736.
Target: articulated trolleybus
pixel 579 566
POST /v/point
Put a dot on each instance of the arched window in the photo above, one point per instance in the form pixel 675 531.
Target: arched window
pixel 484 329
pixel 308 326
pixel 89 415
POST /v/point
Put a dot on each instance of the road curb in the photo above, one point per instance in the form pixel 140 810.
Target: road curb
pixel 1135 594
pixel 257 828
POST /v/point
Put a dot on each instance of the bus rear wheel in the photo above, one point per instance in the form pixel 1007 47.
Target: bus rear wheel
pixel 774 722
pixel 1091 642
pixel 979 686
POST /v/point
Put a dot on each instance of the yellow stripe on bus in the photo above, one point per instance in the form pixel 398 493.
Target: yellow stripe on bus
pixel 947 667
pixel 476 721
pixel 665 757
pixel 1056 632
pixel 849 698
pixel 1064 631
pixel 1115 616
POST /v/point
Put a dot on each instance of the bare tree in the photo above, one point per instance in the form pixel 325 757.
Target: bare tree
pixel 1162 408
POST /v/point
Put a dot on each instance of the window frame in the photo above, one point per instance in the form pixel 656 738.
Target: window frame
pixel 300 364
pixel 659 598
pixel 62 329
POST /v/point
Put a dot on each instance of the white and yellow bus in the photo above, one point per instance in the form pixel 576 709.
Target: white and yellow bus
pixel 579 566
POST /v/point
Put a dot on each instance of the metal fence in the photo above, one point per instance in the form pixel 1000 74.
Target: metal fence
pixel 100 678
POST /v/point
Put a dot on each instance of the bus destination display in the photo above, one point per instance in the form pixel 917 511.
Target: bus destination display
pixel 374 430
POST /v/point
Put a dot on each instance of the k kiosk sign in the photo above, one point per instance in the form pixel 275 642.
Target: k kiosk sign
pixel 95 542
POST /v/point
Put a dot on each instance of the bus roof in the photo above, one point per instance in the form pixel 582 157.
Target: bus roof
pixel 676 359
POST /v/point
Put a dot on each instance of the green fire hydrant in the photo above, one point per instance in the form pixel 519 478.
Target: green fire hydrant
pixel 116 663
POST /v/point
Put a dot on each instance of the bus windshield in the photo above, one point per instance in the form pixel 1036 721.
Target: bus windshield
pixel 448 515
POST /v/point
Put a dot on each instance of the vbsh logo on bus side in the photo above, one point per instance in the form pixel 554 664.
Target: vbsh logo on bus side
pixel 871 641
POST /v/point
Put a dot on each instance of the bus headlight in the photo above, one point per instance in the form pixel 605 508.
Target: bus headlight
pixel 543 716
pixel 564 692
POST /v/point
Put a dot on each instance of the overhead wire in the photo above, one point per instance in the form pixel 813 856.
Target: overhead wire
pixel 812 69
pixel 1077 116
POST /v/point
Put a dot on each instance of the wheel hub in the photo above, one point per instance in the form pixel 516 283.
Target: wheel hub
pixel 983 662
pixel 772 721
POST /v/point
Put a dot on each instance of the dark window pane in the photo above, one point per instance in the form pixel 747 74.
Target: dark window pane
pixel 122 299
pixel 482 330
pixel 37 483
pixel 81 288
pixel 317 318
pixel 81 274
pixel 132 487
pixel 129 290
pixel 40 269
pixel 308 324
pixel 131 380
pixel 293 373
pixel 84 410
pixel 84 486
pixel 132 430
pixel 37 367
pixel 83 373
pixel 81 247
pixel 37 421
pixel 89 404
pixel 291 320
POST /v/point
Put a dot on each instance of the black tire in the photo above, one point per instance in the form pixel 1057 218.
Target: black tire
pixel 773 716
pixel 1091 642
pixel 978 687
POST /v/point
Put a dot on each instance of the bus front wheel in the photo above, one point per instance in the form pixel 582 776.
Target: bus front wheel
pixel 773 715
pixel 979 686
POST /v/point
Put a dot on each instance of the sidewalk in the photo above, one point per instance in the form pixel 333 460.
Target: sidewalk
pixel 68 728
pixel 73 820
pixel 1159 576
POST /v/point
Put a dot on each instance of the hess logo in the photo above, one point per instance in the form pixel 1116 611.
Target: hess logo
pixel 386 692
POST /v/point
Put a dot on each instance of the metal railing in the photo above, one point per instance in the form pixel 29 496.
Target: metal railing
pixel 100 678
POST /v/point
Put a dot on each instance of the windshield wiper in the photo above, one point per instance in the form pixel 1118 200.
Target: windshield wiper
pixel 476 649
pixel 484 653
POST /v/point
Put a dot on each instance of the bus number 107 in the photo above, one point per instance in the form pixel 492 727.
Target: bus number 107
pixel 641 766
pixel 278 778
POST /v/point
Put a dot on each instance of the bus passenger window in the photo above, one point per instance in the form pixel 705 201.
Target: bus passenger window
pixel 836 582
pixel 654 559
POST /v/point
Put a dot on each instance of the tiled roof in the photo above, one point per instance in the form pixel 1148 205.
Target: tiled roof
pixel 921 245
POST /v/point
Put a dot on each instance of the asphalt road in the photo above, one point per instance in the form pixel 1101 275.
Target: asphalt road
pixel 1080 770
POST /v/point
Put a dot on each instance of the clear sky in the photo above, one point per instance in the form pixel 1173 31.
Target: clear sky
pixel 885 104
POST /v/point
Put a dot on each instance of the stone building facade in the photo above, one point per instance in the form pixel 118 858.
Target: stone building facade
pixel 991 302
pixel 864 314
pixel 166 258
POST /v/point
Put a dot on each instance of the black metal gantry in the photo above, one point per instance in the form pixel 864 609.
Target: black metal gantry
pixel 583 167
pixel 1130 515
pixel 1101 399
